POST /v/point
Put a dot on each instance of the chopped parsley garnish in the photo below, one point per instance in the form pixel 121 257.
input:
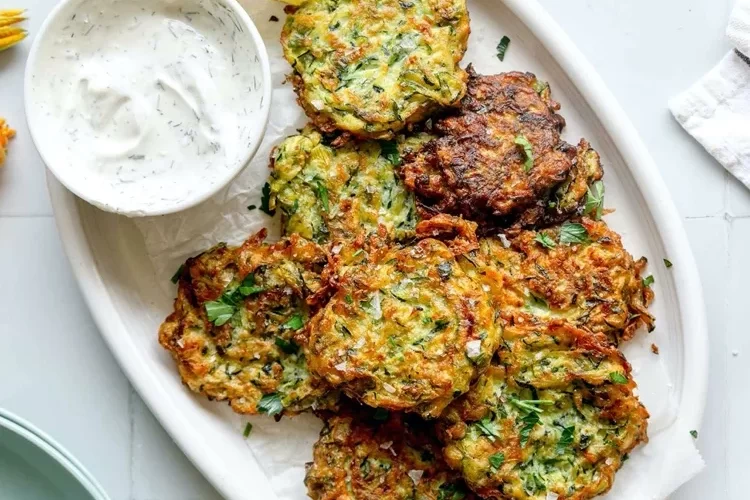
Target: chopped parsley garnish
pixel 252 207
pixel 595 200
pixel 497 460
pixel 248 429
pixel 248 286
pixel 270 404
pixel 273 19
pixel 529 421
pixel 694 433
pixel 540 86
pixel 176 276
pixel 618 378
pixel 573 233
pixel 294 323
pixel 381 414
pixel 485 428
pixel 265 199
pixel 566 439
pixel 322 192
pixel 502 48
pixel 544 240
pixel 219 312
pixel 667 263
pixel 528 150
pixel 389 150
pixel 287 346
pixel 648 281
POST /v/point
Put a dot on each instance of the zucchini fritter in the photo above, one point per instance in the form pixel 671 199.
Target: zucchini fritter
pixel 594 283
pixel 499 158
pixel 555 413
pixel 329 193
pixel 236 312
pixel 366 455
pixel 370 68
pixel 406 329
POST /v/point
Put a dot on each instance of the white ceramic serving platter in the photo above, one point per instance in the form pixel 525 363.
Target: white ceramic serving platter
pixel 109 259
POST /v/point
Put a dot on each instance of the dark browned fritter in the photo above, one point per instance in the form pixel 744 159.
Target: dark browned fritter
pixel 478 166
pixel 363 454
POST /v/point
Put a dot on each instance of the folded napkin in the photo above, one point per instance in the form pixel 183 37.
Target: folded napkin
pixel 716 110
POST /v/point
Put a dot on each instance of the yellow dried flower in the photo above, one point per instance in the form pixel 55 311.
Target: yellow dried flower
pixel 9 33
pixel 6 133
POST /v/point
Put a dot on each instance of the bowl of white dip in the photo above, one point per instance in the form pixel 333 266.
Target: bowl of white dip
pixel 147 107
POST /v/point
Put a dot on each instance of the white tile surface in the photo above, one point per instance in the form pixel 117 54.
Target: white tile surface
pixel 60 375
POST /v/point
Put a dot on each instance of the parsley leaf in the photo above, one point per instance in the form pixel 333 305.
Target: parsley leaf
pixel 252 207
pixel 270 404
pixel 219 312
pixel 648 281
pixel 248 428
pixel 176 276
pixel 286 345
pixel 595 200
pixel 522 141
pixel 389 150
pixel 265 199
pixel 572 233
pixel 322 191
pixel 566 439
pixel 485 429
pixel 667 263
pixel 528 421
pixel 694 433
pixel 497 460
pixel 502 47
pixel 618 378
pixel 248 287
pixel 539 86
pixel 294 323
pixel 544 240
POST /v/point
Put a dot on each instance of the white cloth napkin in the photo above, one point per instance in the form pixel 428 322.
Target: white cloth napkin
pixel 716 110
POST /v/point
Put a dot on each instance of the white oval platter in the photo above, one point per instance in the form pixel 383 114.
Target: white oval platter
pixel 109 259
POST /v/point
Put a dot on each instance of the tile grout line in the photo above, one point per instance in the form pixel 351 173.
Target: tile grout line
pixel 28 216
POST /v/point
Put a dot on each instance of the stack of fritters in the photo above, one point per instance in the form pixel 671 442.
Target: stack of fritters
pixel 445 366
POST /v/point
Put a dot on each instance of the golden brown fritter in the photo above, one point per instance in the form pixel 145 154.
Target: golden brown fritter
pixel 372 68
pixel 577 271
pixel 376 455
pixel 499 158
pixel 328 192
pixel 406 329
pixel 554 414
pixel 235 315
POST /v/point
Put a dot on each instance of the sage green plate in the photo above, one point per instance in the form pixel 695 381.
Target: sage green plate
pixel 34 467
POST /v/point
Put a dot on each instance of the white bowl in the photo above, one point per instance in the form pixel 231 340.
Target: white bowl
pixel 96 156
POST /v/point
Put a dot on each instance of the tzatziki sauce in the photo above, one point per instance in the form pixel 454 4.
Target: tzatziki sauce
pixel 147 103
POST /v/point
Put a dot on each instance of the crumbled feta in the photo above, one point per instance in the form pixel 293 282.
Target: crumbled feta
pixel 317 104
pixel 551 496
pixel 377 313
pixel 415 475
pixel 359 343
pixel 336 249
pixel 504 240
pixel 486 288
pixel 341 366
pixel 388 387
pixel 473 349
